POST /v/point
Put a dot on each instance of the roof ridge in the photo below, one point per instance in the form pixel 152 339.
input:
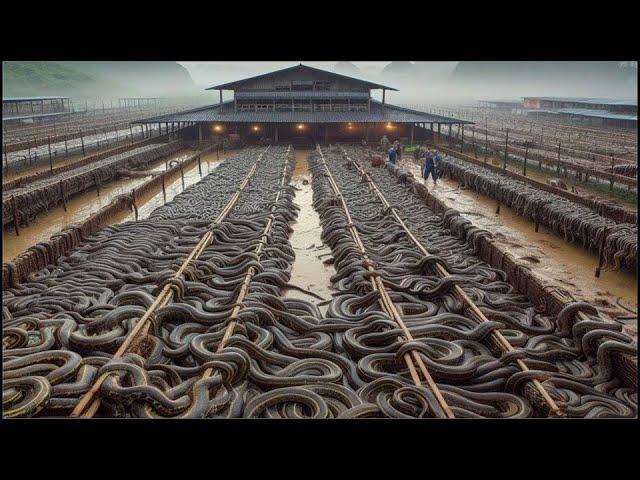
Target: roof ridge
pixel 222 85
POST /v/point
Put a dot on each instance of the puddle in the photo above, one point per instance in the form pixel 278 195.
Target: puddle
pixel 308 271
pixel 80 206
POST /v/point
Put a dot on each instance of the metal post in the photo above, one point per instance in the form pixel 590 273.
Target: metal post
pixel 526 153
pixel 164 191
pixel 473 141
pixel 82 140
pixel 199 166
pixel 462 139
pixel 486 142
pixel 182 175
pixel 96 180
pixel 16 218
pixel 558 159
pixel 64 201
pixel 601 252
pixel 50 159
pixel 506 151
pixel 133 203
pixel 611 182
pixel 498 200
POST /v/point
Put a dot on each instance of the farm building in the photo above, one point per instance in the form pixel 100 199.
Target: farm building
pixel 509 105
pixel 309 104
pixel 592 111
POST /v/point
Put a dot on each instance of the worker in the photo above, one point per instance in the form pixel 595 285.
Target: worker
pixel 429 167
pixel 436 164
pixel 384 142
pixel 392 155
pixel 399 151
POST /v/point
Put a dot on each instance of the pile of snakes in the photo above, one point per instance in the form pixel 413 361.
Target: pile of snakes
pixel 571 358
pixel 628 170
pixel 79 341
pixel 574 222
pixel 42 194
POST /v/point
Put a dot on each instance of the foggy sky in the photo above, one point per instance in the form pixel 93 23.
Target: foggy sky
pixel 429 82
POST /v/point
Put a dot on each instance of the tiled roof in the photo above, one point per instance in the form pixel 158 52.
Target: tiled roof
pixel 238 83
pixel 302 95
pixel 379 113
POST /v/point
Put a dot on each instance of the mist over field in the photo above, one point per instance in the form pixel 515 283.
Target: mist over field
pixel 455 82
pixel 418 83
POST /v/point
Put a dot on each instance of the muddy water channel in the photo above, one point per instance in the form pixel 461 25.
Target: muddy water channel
pixel 549 256
pixel 308 271
pixel 81 206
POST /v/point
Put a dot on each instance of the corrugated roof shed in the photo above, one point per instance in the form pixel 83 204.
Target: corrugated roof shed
pixel 593 101
pixel 379 113
pixel 30 99
pixel 597 113
pixel 584 112
pixel 7 118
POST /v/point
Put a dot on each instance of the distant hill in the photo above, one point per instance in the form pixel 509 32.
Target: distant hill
pixel 522 71
pixel 347 68
pixel 395 69
pixel 96 79
pixel 522 78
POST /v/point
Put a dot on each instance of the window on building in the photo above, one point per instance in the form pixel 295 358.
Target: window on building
pixel 301 107
pixel 301 85
pixel 322 85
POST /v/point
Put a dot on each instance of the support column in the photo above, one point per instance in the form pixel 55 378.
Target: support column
pixel 326 133
pixel 384 91
pixel 412 126
pixel 276 135
pixel 199 133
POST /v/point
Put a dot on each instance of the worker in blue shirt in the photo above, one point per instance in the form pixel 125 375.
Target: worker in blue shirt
pixel 429 167
pixel 392 155
pixel 436 164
